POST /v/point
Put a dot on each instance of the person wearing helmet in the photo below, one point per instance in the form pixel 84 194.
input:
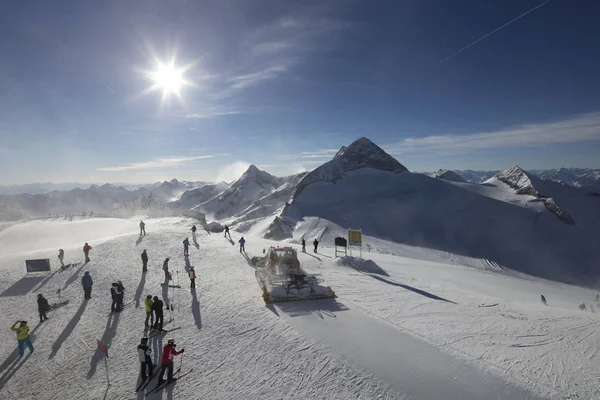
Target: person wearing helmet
pixel 169 352
pixel 145 356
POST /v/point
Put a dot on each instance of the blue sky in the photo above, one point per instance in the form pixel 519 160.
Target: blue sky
pixel 284 84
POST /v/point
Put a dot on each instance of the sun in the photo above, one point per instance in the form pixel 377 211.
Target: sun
pixel 168 78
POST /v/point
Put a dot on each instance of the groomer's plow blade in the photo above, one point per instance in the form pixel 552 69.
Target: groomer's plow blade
pixel 269 298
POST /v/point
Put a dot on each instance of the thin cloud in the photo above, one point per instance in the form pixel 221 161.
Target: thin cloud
pixel 581 128
pixel 210 114
pixel 326 153
pixel 247 80
pixel 163 162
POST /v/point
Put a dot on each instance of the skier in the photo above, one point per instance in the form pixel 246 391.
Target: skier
pixel 598 297
pixel 303 245
pixel 192 275
pixel 121 295
pixel 43 306
pixel 61 255
pixel 114 294
pixel 186 245
pixel 227 232
pixel 87 283
pixel 22 336
pixel 543 299
pixel 86 251
pixel 167 361
pixel 145 355
pixel 316 244
pixel 166 269
pixel 242 241
pixel 144 261
pixel 157 306
pixel 193 230
pixel 142 228
pixel 149 315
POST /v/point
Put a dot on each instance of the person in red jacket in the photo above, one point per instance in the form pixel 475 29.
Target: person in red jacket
pixel 167 361
pixel 86 251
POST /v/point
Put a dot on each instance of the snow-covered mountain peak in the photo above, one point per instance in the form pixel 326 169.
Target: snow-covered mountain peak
pixel 255 174
pixel 362 153
pixel 518 179
pixel 448 175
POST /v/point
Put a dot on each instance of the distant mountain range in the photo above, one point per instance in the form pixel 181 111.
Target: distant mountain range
pixel 585 178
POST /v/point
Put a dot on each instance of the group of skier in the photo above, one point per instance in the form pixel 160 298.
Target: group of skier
pixel 315 244
pixel 153 307
pixel 154 313
pixel 146 365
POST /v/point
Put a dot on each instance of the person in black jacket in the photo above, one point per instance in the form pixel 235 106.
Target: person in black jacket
pixel 144 261
pixel 121 295
pixel 43 307
pixel 316 244
pixel 114 293
pixel 303 245
pixel 157 306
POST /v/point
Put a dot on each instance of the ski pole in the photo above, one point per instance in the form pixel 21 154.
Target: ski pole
pixel 181 361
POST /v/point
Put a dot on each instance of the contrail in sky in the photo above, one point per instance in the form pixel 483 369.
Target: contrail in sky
pixel 491 33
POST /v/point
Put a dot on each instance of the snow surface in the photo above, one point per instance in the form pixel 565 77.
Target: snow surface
pixel 400 327
pixel 459 218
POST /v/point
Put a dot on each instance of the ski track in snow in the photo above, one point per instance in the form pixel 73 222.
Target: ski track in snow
pixel 362 346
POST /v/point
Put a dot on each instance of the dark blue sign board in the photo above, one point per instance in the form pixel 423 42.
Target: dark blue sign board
pixel 41 265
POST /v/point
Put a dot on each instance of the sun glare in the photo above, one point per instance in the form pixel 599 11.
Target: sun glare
pixel 168 78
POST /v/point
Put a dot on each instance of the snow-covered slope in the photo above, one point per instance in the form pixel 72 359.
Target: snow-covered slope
pixel 400 328
pixel 194 197
pixel 421 211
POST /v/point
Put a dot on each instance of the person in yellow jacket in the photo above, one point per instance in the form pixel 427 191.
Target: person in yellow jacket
pixel 149 313
pixel 22 336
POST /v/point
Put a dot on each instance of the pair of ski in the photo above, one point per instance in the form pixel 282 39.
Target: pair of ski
pixel 124 307
pixel 161 385
pixel 171 286
pixel 163 332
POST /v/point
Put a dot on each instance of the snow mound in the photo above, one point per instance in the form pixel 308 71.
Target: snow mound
pixel 448 175
pixel 214 227
pixel 360 264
